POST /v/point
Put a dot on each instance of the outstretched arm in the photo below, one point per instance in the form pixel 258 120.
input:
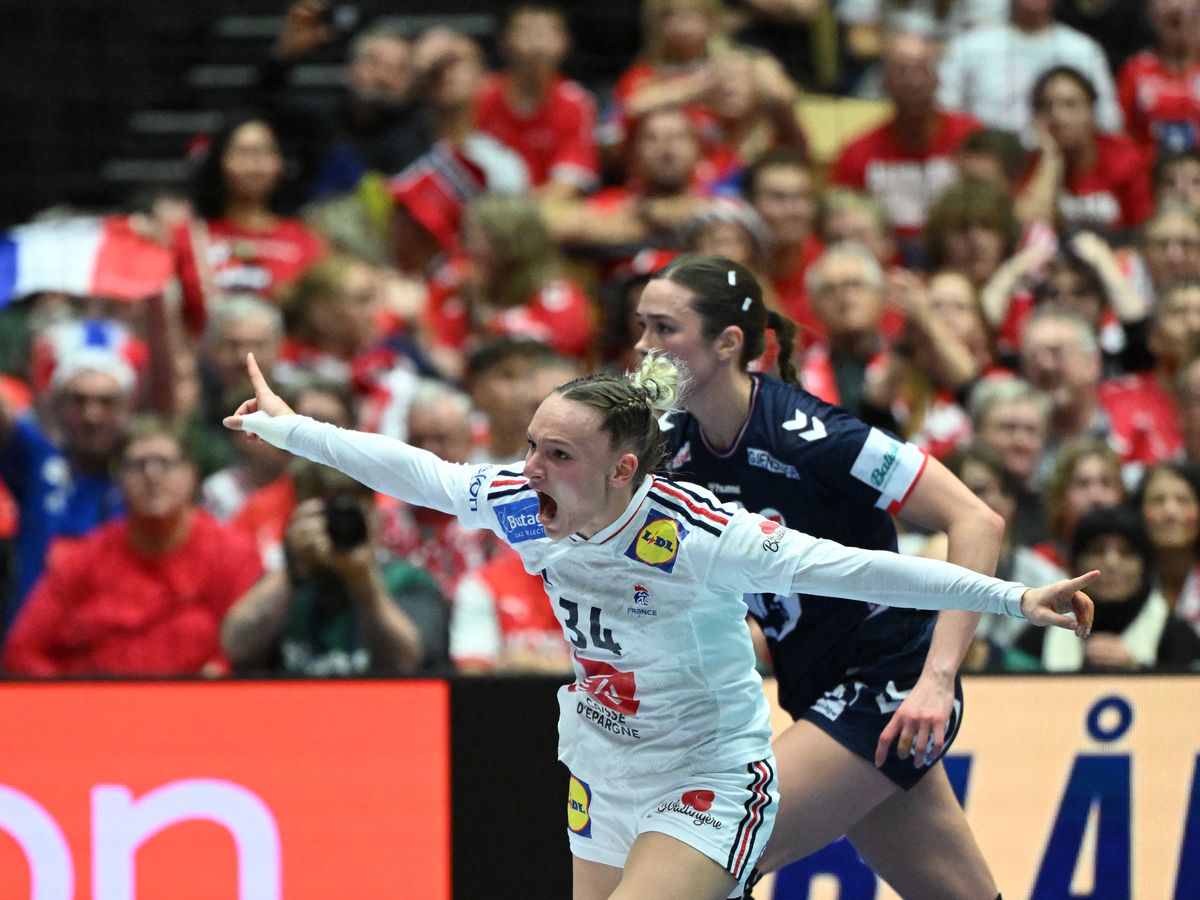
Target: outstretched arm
pixel 382 463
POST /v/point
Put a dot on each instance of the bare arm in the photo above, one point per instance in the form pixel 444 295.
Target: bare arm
pixel 973 533
pixel 1039 198
pixel 252 626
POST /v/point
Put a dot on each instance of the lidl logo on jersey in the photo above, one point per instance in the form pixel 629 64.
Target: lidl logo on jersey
pixel 519 520
pixel 579 807
pixel 657 543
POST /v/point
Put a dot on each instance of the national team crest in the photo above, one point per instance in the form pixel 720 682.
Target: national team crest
pixel 657 543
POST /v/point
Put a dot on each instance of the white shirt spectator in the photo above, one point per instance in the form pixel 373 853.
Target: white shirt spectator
pixel 990 73
pixel 921 16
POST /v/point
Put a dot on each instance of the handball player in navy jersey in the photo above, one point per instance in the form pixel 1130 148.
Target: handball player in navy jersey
pixel 873 690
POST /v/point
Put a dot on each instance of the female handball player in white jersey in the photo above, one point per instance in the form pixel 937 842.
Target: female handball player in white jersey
pixel 665 728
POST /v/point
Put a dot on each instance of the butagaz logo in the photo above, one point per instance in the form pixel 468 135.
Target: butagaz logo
pixel 519 521
pixel 682 457
pixel 761 459
pixel 657 543
pixel 641 602
pixel 475 488
pixel 696 805
pixel 880 472
pixel 579 807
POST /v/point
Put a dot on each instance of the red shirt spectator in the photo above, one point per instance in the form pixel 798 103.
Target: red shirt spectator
pixel 503 620
pixel 1114 193
pixel 792 292
pixel 1144 421
pixel 905 182
pixel 259 262
pixel 555 139
pixel 1161 103
pixel 105 607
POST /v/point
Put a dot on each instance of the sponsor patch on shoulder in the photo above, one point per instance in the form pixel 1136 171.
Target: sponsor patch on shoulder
pixel 518 520
pixel 657 543
pixel 878 460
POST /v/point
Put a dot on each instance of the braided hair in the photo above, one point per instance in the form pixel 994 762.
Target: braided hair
pixel 630 404
pixel 727 293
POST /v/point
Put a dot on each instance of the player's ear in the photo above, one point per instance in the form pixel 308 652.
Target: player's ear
pixel 728 343
pixel 625 469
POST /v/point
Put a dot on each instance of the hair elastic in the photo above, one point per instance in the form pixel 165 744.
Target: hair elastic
pixel 746 304
pixel 732 277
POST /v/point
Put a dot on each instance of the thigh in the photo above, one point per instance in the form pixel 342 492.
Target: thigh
pixel 592 880
pixel 919 842
pixel 665 868
pixel 824 790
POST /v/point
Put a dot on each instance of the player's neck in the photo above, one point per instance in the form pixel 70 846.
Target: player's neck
pixel 723 410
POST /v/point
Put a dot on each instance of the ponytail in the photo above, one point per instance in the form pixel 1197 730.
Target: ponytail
pixel 785 335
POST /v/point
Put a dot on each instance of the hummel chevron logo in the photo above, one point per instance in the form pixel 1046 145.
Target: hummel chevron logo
pixel 800 422
pixel 665 423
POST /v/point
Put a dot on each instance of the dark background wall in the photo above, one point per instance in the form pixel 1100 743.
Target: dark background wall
pixel 98 96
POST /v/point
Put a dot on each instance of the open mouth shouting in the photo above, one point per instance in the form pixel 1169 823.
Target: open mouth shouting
pixel 547 509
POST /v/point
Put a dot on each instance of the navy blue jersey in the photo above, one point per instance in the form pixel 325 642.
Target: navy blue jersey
pixel 817 469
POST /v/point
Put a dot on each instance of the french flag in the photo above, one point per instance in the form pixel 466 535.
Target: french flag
pixel 90 257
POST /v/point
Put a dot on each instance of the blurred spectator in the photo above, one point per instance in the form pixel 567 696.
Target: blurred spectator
pixel 906 162
pixel 983 471
pixel 846 285
pixel 990 71
pixel 1177 180
pixel 852 217
pixel 1011 417
pixel 1170 249
pixel 781 188
pixel 678 38
pixel 620 329
pixel 729 227
pixel 370 125
pixel 1081 178
pixel 265 512
pixel 1168 499
pixel 502 621
pixel 1142 405
pixel 1121 29
pixel 939 355
pixel 238 325
pixel 1133 627
pixel 239 191
pixel 663 191
pixel 1081 274
pixel 1157 87
pixel 143 595
pixel 336 332
pixel 1187 395
pixel 1060 356
pixel 512 282
pixel 994 156
pixel 342 606
pixel 533 109
pixel 431 194
pixel 869 21
pixel 226 491
pixel 1087 475
pixel 58 470
pixel 972 228
pixel 753 105
pixel 440 421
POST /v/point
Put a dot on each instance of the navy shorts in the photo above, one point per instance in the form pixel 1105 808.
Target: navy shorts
pixel 855 710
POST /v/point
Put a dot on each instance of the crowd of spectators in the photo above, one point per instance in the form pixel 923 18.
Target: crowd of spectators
pixel 1004 269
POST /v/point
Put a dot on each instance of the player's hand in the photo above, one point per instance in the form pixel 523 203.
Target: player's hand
pixel 264 399
pixel 1062 604
pixel 920 722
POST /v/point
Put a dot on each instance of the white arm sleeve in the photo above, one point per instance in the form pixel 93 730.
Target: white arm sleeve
pixel 879 576
pixel 381 463
pixel 755 554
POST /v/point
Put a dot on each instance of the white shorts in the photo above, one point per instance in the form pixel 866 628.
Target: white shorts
pixel 727 816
